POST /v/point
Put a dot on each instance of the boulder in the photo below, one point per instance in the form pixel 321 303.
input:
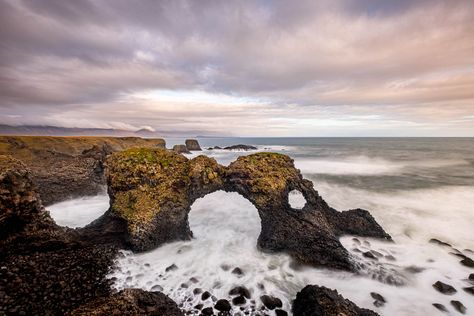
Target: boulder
pixel 271 302
pixel 181 149
pixel 133 301
pixel 152 190
pixel 316 300
pixel 192 145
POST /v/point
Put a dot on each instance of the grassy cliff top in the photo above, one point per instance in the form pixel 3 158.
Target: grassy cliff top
pixel 24 147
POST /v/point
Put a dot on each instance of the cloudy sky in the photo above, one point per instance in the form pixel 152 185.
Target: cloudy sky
pixel 248 68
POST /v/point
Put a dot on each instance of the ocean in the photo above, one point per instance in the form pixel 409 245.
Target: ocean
pixel 416 188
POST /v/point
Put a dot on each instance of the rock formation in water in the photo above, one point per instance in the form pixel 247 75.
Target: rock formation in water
pixel 192 145
pixel 181 149
pixel 66 167
pixel 152 191
pixel 316 300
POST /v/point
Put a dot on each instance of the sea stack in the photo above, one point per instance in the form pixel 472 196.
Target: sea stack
pixel 192 145
pixel 181 149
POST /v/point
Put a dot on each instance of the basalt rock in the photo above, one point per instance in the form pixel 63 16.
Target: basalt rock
pixel 67 167
pixel 192 145
pixel 316 300
pixel 46 269
pixel 240 147
pixel 181 149
pixel 152 191
pixel 131 302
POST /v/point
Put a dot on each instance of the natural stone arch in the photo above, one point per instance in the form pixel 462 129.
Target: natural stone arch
pixel 152 190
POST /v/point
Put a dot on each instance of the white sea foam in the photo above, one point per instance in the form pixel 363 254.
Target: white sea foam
pixel 226 227
pixel 363 165
pixel 79 212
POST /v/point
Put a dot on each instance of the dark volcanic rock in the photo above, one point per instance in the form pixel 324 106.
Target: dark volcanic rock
pixel 468 262
pixel 469 289
pixel 205 295
pixel 133 302
pixel 240 147
pixel 280 312
pixel 239 300
pixel 316 300
pixel 192 145
pixel 238 271
pixel 223 305
pixel 271 302
pixel 459 306
pixel 240 290
pixel 379 299
pixel 471 277
pixel 181 149
pixel 444 288
pixel 152 190
pixel 207 311
pixel 440 307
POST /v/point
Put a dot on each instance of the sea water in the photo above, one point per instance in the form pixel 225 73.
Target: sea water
pixel 417 189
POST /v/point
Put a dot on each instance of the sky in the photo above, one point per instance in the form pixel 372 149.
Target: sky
pixel 240 68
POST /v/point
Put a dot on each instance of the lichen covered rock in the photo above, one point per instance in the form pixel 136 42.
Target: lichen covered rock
pixel 152 191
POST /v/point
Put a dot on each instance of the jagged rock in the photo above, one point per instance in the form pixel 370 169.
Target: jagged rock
pixel 318 300
pixel 152 190
pixel 459 306
pixel 271 302
pixel 181 149
pixel 239 147
pixel 192 145
pixel 444 288
pixel 133 301
pixel 66 167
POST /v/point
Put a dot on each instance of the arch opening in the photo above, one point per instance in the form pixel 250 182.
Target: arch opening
pixel 296 199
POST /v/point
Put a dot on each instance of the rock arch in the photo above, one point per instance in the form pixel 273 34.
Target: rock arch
pixel 152 190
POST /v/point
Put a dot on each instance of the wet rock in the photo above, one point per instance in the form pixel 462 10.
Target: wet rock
pixel 197 291
pixel 471 277
pixel 172 267
pixel 240 290
pixel 205 295
pixel 459 306
pixel 240 147
pixel 181 149
pixel 157 288
pixel 192 145
pixel 469 289
pixel 207 311
pixel 468 262
pixel 390 258
pixel 215 147
pixel 356 241
pixel 271 302
pixel 223 305
pixel 414 269
pixel 370 255
pixel 194 280
pixel 198 306
pixel 280 312
pixel 377 297
pixel 134 301
pixel 225 267
pixel 319 300
pixel 237 271
pixel 444 288
pixel 239 300
pixel 184 285
pixel 439 242
pixel 376 253
pixel 440 307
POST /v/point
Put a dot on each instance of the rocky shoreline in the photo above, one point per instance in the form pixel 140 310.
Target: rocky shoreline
pixel 48 269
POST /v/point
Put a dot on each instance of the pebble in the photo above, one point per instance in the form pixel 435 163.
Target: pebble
pixel 444 288
pixel 271 302
pixel 459 306
pixel 223 305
